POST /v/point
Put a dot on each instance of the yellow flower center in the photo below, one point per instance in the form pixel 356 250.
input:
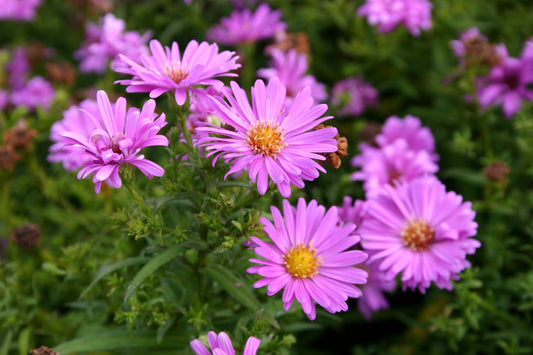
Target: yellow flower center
pixel 265 139
pixel 176 72
pixel 417 235
pixel 301 261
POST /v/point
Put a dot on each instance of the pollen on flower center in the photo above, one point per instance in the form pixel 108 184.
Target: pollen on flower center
pixel 301 261
pixel 265 139
pixel 417 235
pixel 176 72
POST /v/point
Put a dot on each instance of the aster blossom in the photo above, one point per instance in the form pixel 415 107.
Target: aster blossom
pixel 245 26
pixel 415 15
pixel 19 10
pixel 221 345
pixel 114 138
pixel 420 230
pixel 290 67
pixel 508 83
pixel 35 92
pixel 270 138
pixel 309 258
pixel 352 96
pixel 166 70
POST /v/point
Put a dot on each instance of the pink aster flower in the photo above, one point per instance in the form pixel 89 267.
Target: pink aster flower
pixel 373 298
pixel 390 164
pixel 19 10
pixel 221 345
pixel 470 36
pixel 290 67
pixel 508 83
pixel 18 68
pixel 309 258
pixel 35 92
pixel 421 231
pixel 352 211
pixel 116 139
pixel 417 137
pixel 415 15
pixel 352 96
pixel 166 70
pixel 245 26
pixel 269 138
pixel 106 41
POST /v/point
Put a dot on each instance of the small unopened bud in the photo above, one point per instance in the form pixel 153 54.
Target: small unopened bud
pixel 43 350
pixel 19 136
pixel 8 158
pixel 497 171
pixel 26 236
pixel 334 158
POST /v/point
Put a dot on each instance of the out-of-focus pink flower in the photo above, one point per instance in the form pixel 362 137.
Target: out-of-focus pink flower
pixel 373 299
pixel 19 10
pixel 18 68
pixel 420 231
pixel 459 46
pixel 166 70
pixel 290 67
pixel 508 83
pixel 221 345
pixel 4 99
pixel 244 26
pixel 352 96
pixel 115 137
pixel 352 211
pixel 106 41
pixel 35 92
pixel 415 15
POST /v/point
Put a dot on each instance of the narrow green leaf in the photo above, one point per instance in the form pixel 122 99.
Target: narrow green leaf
pixel 4 349
pixel 107 269
pixel 24 341
pixel 154 263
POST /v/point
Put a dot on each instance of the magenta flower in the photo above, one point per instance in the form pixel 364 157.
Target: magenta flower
pixel 390 165
pixel 352 211
pixel 309 258
pixel 421 231
pixel 106 41
pixel 460 46
pixel 417 137
pixel 35 92
pixel 18 68
pixel 165 70
pixel 415 15
pixel 221 345
pixel 19 10
pixel 270 139
pixel 117 138
pixel 245 26
pixel 373 299
pixel 507 83
pixel 352 96
pixel 290 67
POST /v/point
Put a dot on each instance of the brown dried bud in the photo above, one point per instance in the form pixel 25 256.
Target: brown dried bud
pixel 369 132
pixel 8 158
pixel 61 73
pixel 497 171
pixel 26 236
pixel 286 41
pixel 334 158
pixel 43 350
pixel 478 51
pixel 19 136
pixel 37 52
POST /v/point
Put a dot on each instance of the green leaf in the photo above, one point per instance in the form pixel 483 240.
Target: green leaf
pixel 107 269
pixel 154 263
pixel 4 349
pixel 119 339
pixel 24 341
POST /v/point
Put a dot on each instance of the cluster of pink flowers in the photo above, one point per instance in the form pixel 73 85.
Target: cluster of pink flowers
pixel 405 151
pixel 105 41
pixel 31 93
pixel 19 10
pixel 220 344
pixel 352 95
pixel 415 15
pixel 244 26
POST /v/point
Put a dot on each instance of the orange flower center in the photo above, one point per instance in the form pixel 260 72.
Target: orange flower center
pixel 266 139
pixel 301 261
pixel 417 235
pixel 176 72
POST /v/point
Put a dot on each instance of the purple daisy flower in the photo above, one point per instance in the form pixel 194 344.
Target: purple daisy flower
pixel 245 26
pixel 19 10
pixel 421 231
pixel 415 15
pixel 221 345
pixel 352 96
pixel 507 83
pixel 117 138
pixel 352 211
pixel 166 70
pixel 410 128
pixel 106 41
pixel 18 68
pixel 290 68
pixel 270 138
pixel 373 299
pixel 35 92
pixel 309 257
pixel 390 165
